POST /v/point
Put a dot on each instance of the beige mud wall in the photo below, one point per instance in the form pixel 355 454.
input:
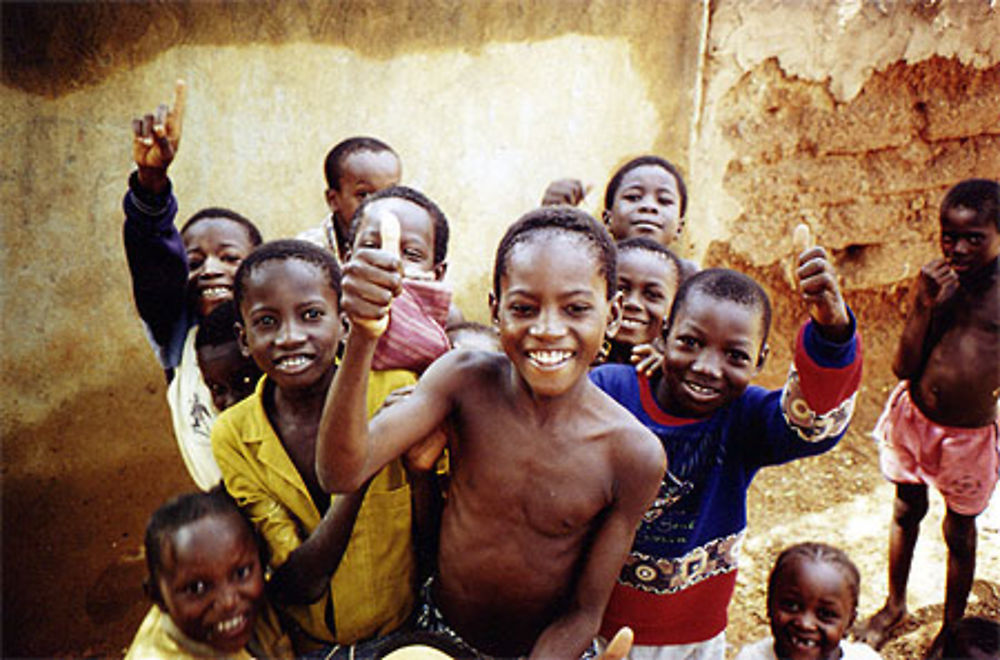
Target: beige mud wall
pixel 485 102
pixel 854 117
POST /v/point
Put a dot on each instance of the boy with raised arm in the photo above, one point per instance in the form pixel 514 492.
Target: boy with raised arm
pixel 939 427
pixel 718 430
pixel 549 476
pixel 179 277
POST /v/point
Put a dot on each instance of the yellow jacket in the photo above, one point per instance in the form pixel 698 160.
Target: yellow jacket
pixel 372 591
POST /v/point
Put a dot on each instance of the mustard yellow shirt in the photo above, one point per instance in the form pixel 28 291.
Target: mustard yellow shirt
pixel 372 591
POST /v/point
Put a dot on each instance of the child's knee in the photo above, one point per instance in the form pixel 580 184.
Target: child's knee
pixel 910 505
pixel 959 533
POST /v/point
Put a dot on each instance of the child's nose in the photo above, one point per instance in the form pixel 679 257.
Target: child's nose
pixel 548 324
pixel 290 333
pixel 708 362
pixel 211 266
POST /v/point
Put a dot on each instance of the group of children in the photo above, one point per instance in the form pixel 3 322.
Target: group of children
pixel 391 474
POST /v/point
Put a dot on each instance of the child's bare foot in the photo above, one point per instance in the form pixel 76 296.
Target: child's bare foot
pixel 937 646
pixel 877 630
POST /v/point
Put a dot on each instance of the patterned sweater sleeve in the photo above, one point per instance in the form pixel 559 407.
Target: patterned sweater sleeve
pixel 814 408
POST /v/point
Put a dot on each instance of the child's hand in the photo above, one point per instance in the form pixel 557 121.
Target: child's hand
pixel 647 358
pixel 565 191
pixel 818 283
pixel 936 278
pixel 372 278
pixel 155 140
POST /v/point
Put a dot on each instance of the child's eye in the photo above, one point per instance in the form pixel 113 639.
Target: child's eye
pixel 413 255
pixel 632 197
pixel 789 606
pixel 521 309
pixel 196 588
pixel 975 241
pixel 739 357
pixel 264 321
pixel 654 295
pixel 195 262
pixel 576 309
pixel 244 572
pixel 828 615
pixel 666 201
pixel 312 314
pixel 231 258
pixel 687 342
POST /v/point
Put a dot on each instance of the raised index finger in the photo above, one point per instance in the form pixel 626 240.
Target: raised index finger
pixel 180 98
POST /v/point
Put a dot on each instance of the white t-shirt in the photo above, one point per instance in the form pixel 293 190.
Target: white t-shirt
pixel 764 650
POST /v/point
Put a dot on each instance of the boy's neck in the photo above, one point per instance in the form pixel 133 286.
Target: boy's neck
pixel 301 403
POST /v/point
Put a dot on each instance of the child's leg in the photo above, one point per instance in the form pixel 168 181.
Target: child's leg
pixel 960 535
pixel 909 508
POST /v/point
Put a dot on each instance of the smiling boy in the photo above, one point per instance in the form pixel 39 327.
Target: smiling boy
pixel 549 476
pixel 718 430
pixel 334 586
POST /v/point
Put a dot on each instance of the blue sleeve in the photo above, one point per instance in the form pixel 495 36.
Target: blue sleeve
pixel 158 265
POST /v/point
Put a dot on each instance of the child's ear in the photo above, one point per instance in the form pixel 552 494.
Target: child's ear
pixel 614 315
pixel 345 323
pixel 331 200
pixel 765 350
pixel 439 271
pixel 494 308
pixel 241 339
pixel 606 216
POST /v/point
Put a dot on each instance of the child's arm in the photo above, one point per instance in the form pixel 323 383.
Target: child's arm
pixel 936 280
pixel 305 575
pixel 638 476
pixel 153 246
pixel 349 449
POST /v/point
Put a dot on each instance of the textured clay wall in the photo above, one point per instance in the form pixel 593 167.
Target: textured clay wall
pixel 854 117
pixel 485 102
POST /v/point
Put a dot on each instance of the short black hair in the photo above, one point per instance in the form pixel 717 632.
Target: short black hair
pixel 649 245
pixel 980 195
pixel 217 329
pixel 725 284
pixel 183 510
pixel 560 218
pixel 818 552
pixel 423 201
pixel 971 632
pixel 616 180
pixel 280 250
pixel 333 166
pixel 213 212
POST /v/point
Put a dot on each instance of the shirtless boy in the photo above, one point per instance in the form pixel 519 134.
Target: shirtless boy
pixel 549 476
pixel 939 427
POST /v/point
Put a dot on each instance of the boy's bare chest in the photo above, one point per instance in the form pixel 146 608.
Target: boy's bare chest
pixel 553 483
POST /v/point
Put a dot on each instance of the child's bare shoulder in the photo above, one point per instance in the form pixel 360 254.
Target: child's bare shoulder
pixel 632 434
pixel 463 369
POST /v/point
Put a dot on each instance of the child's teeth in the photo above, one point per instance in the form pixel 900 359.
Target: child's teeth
pixel 550 357
pixel 230 624
pixel 293 362
pixel 215 292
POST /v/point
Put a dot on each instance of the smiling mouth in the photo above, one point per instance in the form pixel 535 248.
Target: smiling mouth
pixel 645 223
pixel 215 292
pixel 802 642
pixel 230 625
pixel 700 392
pixel 549 359
pixel 292 363
pixel 633 324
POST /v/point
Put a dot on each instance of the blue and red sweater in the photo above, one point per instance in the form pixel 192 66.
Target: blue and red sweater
pixel 679 577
